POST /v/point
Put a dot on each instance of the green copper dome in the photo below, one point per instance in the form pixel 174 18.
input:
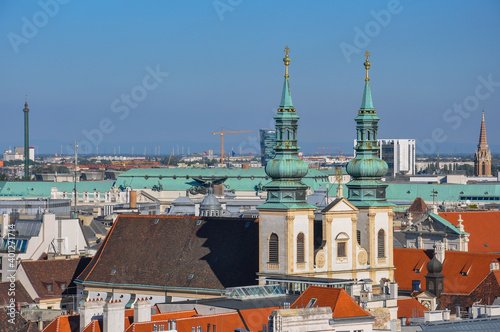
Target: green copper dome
pixel 374 168
pixel 286 190
pixel 286 167
pixel 366 187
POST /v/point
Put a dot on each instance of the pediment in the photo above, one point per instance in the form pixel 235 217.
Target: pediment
pixel 429 224
pixel 340 205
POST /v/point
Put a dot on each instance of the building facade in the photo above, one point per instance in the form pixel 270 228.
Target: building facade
pixel 399 154
pixel 356 232
pixel 267 143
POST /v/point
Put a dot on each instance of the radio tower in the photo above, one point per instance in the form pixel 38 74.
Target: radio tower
pixel 26 141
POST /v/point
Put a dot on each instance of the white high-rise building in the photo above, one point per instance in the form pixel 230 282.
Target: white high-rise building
pixel 399 154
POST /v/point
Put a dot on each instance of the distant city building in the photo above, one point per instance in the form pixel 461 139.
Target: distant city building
pixel 482 158
pixel 399 154
pixel 18 154
pixel 267 143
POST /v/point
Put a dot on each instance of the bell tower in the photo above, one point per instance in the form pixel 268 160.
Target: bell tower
pixel 482 158
pixel 366 190
pixel 286 227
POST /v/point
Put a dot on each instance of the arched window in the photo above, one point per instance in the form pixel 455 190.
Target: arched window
pixel 381 243
pixel 300 248
pixel 274 249
pixel 342 240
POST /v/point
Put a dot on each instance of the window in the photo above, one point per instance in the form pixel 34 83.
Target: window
pixel 381 244
pixel 63 286
pixel 341 252
pixel 49 287
pixel 300 248
pixel 341 240
pixel 358 236
pixel 273 248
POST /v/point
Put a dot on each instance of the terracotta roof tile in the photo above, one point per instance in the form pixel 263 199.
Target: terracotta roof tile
pixel 255 318
pixel 21 296
pixel 225 323
pixel 418 206
pixel 483 226
pixel 409 308
pixel 342 304
pixel 66 323
pixel 477 266
pixel 54 272
pixel 215 253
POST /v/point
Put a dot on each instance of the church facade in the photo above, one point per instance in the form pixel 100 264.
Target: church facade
pixel 356 232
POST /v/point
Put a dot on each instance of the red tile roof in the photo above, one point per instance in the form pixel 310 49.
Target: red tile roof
pixel 342 304
pixel 418 206
pixel 215 253
pixel 410 308
pixel 483 226
pixel 255 318
pixel 225 323
pixel 54 272
pixel 173 315
pixel 21 295
pixel 477 265
pixel 66 323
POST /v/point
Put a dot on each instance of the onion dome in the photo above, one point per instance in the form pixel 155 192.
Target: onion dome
pixel 434 266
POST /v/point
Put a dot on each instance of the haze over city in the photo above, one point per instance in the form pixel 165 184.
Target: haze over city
pixel 190 68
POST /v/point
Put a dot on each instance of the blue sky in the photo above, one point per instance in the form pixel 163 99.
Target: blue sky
pixel 190 67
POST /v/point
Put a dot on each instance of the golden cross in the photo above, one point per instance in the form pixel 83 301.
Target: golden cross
pixel 367 55
pixel 287 50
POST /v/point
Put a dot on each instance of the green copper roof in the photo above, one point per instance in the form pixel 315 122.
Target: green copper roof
pixel 286 96
pixel 43 189
pixel 447 224
pixel 367 103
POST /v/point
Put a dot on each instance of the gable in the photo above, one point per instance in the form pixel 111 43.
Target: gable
pixel 340 205
pixel 341 303
pixel 432 223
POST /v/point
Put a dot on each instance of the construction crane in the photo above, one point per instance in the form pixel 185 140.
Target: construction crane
pixel 221 133
pixel 322 148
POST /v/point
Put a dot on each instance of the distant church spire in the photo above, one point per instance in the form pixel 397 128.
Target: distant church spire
pixel 286 190
pixel 482 157
pixel 366 187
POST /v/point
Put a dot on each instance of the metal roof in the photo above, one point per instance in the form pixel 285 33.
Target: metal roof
pixel 28 228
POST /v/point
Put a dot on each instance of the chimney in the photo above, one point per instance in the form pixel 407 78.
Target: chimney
pixel 88 310
pixel 435 209
pixel 133 199
pixel 142 310
pixel 494 265
pixel 113 319
pixel 5 224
